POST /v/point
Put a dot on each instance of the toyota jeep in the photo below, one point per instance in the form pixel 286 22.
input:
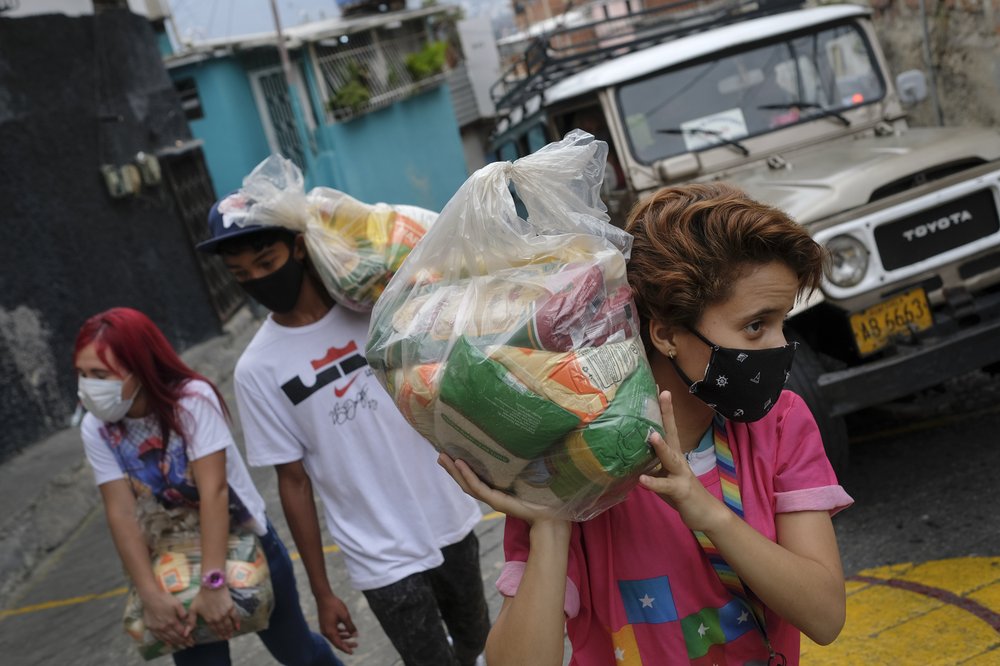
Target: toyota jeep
pixel 796 106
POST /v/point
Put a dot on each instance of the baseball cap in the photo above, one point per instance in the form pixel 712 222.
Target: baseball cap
pixel 228 219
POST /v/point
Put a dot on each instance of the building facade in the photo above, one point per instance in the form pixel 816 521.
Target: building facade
pixel 104 189
pixel 368 109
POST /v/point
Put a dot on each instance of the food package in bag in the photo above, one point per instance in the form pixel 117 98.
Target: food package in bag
pixel 177 570
pixel 513 344
pixel 354 246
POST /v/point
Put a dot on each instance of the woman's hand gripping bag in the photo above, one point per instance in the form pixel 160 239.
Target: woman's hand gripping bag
pixel 355 247
pixel 174 540
pixel 513 344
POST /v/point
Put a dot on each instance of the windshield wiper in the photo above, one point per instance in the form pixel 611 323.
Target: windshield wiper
pixel 823 111
pixel 713 133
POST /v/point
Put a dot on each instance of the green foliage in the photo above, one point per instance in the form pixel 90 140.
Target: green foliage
pixel 354 94
pixel 428 61
pixel 395 77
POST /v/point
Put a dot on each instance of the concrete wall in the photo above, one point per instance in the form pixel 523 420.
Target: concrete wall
pixel 76 93
pixel 965 55
pixel 231 128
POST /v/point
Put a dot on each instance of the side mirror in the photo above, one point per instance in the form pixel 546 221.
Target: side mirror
pixel 678 167
pixel 912 87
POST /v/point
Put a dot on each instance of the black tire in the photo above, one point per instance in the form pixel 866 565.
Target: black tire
pixel 805 371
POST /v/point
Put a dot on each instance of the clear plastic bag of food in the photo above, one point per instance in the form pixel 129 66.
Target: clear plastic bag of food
pixel 513 344
pixel 354 246
pixel 177 569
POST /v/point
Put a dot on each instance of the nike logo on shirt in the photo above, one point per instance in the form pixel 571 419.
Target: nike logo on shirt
pixel 335 363
pixel 339 392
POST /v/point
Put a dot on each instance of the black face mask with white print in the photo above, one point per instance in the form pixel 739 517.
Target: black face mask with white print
pixel 742 384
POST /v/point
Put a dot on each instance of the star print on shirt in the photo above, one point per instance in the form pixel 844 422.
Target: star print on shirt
pixel 714 626
pixel 721 380
pixel 626 647
pixel 638 597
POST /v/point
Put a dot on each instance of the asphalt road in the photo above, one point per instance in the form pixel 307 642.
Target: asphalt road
pixel 921 545
pixel 921 549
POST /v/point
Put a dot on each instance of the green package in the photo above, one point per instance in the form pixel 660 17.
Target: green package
pixel 488 394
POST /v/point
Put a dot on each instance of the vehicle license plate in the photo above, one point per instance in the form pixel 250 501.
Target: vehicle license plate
pixel 875 327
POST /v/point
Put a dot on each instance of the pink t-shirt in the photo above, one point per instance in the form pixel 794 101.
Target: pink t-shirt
pixel 640 589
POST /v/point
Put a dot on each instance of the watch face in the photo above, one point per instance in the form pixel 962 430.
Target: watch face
pixel 213 580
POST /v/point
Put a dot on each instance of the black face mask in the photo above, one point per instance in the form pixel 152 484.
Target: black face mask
pixel 279 291
pixel 742 384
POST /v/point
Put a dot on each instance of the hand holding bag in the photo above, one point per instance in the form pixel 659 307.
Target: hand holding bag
pixel 176 560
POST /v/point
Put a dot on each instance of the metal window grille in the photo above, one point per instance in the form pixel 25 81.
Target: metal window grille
pixel 361 79
pixel 274 89
pixel 190 188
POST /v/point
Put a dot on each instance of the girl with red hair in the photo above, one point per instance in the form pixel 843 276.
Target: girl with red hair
pixel 157 430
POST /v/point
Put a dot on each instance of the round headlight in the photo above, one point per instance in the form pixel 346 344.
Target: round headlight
pixel 848 261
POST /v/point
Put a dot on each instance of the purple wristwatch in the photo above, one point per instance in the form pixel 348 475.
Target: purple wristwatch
pixel 213 579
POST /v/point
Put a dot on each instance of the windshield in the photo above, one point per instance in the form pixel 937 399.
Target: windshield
pixel 750 92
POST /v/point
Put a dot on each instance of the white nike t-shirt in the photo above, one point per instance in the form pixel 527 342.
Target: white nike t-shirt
pixel 307 393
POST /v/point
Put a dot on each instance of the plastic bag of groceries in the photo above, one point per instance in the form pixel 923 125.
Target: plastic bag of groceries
pixel 513 344
pixel 355 247
pixel 177 569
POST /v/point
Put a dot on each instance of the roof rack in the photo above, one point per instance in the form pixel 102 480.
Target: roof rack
pixel 568 50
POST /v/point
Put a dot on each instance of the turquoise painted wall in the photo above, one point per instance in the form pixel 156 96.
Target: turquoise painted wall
pixel 231 128
pixel 407 153
pixel 163 43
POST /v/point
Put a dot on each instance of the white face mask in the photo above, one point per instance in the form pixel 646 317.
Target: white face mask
pixel 103 398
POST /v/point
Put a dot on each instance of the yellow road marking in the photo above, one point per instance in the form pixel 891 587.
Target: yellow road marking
pixel 72 601
pixel 940 612
pixel 119 591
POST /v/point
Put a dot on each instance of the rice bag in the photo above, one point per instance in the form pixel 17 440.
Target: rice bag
pixel 513 344
pixel 354 246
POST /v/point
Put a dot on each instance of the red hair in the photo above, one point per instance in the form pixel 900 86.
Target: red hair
pixel 140 348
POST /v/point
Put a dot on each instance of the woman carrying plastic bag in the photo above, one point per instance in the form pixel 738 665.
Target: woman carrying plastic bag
pixel 513 344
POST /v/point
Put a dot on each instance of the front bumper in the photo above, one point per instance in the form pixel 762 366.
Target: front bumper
pixel 948 351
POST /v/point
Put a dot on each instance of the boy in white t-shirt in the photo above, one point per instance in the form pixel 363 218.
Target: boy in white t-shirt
pixel 310 406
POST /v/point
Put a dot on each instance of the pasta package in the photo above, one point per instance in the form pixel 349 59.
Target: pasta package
pixel 513 344
pixel 355 247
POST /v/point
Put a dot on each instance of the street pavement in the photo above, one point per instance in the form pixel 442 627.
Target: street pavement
pixel 62 587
